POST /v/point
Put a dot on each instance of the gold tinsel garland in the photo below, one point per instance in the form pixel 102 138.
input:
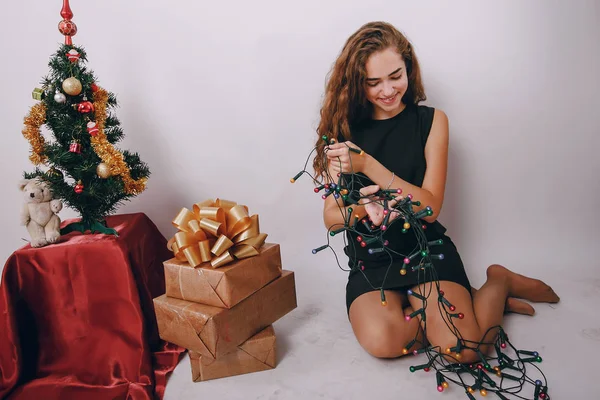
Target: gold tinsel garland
pixel 33 121
pixel 106 151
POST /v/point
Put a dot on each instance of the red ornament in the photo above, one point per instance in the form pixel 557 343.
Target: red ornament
pixel 92 128
pixel 85 107
pixel 94 87
pixel 66 26
pixel 79 187
pixel 66 12
pixel 75 147
pixel 73 55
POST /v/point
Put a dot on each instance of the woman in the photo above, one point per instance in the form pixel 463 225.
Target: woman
pixel 372 105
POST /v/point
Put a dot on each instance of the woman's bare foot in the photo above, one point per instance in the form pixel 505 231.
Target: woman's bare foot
pixel 514 305
pixel 523 287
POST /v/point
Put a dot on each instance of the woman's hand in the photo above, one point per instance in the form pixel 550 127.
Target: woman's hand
pixel 345 158
pixel 374 205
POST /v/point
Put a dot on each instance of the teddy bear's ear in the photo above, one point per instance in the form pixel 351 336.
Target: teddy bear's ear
pixel 23 183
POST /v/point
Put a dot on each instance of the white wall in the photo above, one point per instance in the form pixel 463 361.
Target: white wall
pixel 222 100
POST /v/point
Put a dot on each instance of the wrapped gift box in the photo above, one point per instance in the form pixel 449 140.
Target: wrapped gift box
pixel 225 286
pixel 256 354
pixel 214 331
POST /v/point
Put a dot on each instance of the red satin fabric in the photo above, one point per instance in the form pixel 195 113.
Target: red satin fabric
pixel 77 319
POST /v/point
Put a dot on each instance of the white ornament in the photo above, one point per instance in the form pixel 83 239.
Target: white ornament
pixel 59 97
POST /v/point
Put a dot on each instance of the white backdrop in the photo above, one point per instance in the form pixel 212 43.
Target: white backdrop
pixel 221 99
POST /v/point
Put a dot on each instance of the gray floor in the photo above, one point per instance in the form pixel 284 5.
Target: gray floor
pixel 319 358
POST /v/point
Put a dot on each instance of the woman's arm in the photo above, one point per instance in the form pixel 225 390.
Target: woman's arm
pixel 334 211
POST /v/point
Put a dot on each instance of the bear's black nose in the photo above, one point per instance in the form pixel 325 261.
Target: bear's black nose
pixel 32 195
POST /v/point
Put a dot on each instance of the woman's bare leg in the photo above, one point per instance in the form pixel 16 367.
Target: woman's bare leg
pixel 481 313
pixel 382 330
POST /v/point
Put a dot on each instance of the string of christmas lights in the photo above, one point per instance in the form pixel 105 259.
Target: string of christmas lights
pixel 503 374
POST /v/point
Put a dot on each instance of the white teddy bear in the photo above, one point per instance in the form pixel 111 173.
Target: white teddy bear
pixel 39 212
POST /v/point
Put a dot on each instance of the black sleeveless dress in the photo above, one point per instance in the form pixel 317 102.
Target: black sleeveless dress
pixel 399 144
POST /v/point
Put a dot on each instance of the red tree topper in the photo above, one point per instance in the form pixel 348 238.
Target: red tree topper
pixel 66 26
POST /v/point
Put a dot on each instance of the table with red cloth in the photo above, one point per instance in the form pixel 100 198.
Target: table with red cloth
pixel 77 319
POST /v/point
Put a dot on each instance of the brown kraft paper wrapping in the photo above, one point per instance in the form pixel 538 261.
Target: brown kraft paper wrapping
pixel 226 286
pixel 214 331
pixel 256 354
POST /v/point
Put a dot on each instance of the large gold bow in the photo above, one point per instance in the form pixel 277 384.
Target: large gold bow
pixel 217 231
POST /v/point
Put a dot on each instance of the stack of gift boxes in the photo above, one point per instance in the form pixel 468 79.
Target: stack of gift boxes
pixel 224 316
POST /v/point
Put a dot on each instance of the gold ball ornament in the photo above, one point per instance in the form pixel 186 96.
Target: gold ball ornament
pixel 72 86
pixel 103 170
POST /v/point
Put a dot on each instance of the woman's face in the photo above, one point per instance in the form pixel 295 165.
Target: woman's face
pixel 386 83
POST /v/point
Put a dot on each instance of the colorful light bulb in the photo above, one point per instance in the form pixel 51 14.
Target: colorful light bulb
pixel 435 242
pixel 318 249
pixel 333 233
pixel 298 175
pixel 417 295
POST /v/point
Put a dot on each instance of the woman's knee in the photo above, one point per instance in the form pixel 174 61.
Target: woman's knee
pixel 465 354
pixel 383 340
pixel 496 271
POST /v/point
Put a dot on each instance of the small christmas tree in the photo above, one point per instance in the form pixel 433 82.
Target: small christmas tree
pixel 84 169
